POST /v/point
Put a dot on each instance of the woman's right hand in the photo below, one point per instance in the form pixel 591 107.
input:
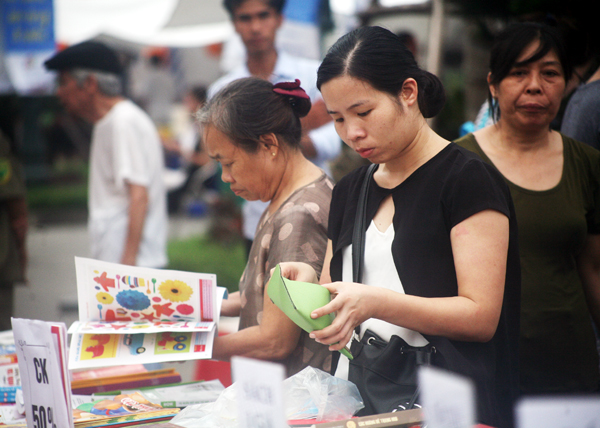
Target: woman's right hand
pixel 298 271
pixel 352 304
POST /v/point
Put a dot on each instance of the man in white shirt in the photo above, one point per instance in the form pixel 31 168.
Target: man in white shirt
pixel 257 22
pixel 127 199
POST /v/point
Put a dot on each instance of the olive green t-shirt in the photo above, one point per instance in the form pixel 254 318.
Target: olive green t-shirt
pixel 557 342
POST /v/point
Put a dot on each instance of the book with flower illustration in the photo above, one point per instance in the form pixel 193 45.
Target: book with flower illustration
pixel 135 315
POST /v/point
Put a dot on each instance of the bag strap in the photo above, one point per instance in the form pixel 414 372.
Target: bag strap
pixel 360 227
pixel 358 241
pixel 358 251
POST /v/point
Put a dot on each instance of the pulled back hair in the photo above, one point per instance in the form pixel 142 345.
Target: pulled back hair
pixel 510 43
pixel 232 5
pixel 378 56
pixel 248 108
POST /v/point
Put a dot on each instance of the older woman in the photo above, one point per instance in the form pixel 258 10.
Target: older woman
pixel 252 128
pixel 555 184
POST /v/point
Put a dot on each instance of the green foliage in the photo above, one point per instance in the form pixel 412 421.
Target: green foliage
pixel 202 254
pixel 65 187
pixel 452 115
pixel 68 195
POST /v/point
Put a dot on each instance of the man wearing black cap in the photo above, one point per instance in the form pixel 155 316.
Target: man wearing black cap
pixel 127 198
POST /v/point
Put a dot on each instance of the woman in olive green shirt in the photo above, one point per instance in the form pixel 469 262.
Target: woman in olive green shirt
pixel 555 185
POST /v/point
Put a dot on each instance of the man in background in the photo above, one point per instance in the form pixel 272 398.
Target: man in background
pixel 257 23
pixel 581 120
pixel 127 198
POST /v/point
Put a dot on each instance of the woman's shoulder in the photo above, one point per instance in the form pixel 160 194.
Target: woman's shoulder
pixel 579 147
pixel 311 201
pixel 353 179
pixel 464 154
pixel 463 168
pixel 469 142
pixel 466 141
pixel 581 155
pixel 319 188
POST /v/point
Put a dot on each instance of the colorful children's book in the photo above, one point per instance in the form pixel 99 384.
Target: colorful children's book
pixel 134 315
pixel 120 409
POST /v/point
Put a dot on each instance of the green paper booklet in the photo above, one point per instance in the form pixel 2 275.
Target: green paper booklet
pixel 298 299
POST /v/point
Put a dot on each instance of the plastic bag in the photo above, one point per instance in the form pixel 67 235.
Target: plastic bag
pixel 311 393
pixel 221 413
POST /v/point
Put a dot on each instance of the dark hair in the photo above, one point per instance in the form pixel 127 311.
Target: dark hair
pixel 248 108
pixel 199 93
pixel 232 5
pixel 510 43
pixel 378 57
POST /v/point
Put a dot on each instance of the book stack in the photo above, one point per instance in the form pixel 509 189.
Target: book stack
pixel 120 378
pixel 8 394
pixel 10 379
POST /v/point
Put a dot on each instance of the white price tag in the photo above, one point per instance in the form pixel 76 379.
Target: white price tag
pixel 448 399
pixel 41 354
pixel 259 393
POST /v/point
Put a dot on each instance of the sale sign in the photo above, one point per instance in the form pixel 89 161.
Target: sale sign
pixel 41 353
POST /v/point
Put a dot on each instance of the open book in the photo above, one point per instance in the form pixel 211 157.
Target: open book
pixel 134 315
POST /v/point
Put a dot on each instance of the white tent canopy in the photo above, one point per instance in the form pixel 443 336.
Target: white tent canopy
pixel 173 23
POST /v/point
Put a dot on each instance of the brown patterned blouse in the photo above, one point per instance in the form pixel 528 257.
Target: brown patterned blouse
pixel 296 232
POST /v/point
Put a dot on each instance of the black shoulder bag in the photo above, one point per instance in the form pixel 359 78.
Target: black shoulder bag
pixel 384 372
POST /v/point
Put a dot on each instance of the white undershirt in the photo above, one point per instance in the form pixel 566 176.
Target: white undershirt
pixel 379 270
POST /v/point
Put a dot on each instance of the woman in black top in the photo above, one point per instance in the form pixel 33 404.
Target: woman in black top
pixel 441 262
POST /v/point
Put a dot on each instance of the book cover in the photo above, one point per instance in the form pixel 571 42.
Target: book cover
pixel 403 419
pixel 184 394
pixel 119 409
pixel 135 315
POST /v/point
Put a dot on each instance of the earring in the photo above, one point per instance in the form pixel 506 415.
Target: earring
pixel 273 153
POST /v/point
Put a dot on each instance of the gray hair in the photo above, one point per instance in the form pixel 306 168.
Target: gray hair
pixel 109 84
pixel 248 108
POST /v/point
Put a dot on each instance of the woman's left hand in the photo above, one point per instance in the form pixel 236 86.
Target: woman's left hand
pixel 352 305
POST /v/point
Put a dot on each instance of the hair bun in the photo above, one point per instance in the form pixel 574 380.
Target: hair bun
pixel 296 96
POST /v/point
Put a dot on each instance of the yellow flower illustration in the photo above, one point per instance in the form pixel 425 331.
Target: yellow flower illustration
pixel 175 291
pixel 104 298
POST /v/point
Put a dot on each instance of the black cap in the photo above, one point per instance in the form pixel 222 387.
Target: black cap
pixel 89 55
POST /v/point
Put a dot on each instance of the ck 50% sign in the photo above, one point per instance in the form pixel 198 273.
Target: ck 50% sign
pixel 42 417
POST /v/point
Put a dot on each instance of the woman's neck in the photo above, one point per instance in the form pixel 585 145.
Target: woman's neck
pixel 297 172
pixel 424 146
pixel 508 139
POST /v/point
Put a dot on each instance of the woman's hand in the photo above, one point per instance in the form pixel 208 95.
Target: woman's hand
pixel 298 271
pixel 352 304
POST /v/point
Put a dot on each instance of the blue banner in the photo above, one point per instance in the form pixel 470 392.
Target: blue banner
pixel 306 11
pixel 28 25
